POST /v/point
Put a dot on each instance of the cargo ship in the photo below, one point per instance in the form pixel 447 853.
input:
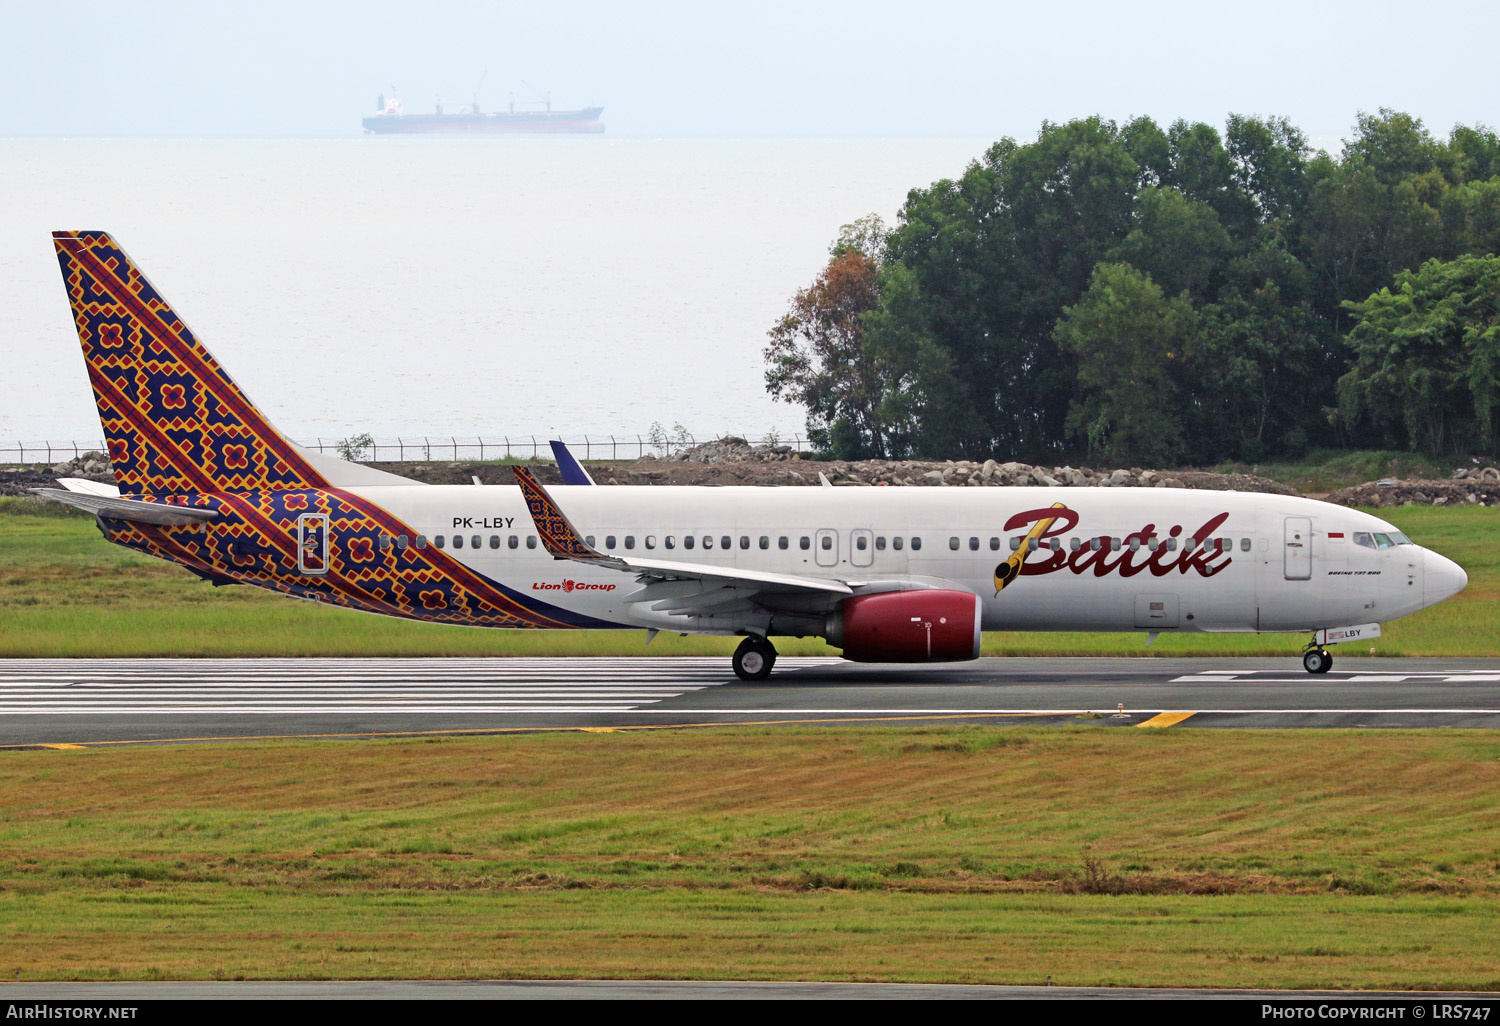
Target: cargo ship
pixel 390 119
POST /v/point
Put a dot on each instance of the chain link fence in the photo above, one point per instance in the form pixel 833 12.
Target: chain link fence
pixel 445 448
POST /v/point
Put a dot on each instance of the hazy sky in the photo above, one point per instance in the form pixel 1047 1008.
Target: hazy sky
pixel 986 69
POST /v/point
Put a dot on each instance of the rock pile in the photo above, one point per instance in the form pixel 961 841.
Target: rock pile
pixel 920 473
pixel 1478 486
pixel 92 466
pixel 732 449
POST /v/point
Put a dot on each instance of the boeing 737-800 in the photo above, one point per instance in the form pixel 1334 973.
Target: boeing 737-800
pixel 885 574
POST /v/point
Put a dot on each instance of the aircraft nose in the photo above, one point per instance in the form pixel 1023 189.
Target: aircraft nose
pixel 1441 578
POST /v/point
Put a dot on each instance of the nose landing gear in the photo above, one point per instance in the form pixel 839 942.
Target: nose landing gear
pixel 1316 658
pixel 754 658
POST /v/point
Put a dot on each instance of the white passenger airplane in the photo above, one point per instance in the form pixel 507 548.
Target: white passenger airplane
pixel 886 574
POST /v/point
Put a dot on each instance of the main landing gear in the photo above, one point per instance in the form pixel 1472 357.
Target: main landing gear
pixel 1316 659
pixel 754 658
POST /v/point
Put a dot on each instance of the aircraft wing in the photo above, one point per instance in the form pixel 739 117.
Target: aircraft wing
pixel 564 542
pixel 129 509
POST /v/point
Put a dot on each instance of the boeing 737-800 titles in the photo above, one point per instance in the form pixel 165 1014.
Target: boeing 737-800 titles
pixel 885 574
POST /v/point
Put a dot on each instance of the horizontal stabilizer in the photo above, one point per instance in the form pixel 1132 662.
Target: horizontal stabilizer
pixel 129 509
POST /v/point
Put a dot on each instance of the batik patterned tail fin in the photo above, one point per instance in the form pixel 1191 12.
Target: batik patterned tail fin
pixel 174 420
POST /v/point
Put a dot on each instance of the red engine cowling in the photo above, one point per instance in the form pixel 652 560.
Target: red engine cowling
pixel 907 626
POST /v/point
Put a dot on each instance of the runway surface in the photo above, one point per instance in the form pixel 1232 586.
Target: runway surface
pixel 63 702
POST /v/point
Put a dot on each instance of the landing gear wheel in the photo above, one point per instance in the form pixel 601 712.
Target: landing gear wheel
pixel 754 658
pixel 1317 660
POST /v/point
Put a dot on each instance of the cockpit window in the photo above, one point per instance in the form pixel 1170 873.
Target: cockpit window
pixel 1383 541
pixel 1401 539
pixel 1364 538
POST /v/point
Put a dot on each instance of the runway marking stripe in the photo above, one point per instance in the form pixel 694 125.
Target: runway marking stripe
pixel 1165 719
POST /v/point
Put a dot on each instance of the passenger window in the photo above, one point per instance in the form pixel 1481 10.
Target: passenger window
pixel 630 541
pixel 514 542
pixel 458 542
pixel 609 541
pixel 1189 544
pixel 860 543
pixel 896 543
pixel 1135 544
pixel 385 541
pixel 826 543
pixel 805 543
pixel 588 540
pixel 670 542
pixel 494 541
pixel 916 543
pixel 687 541
pixel 783 542
pixel 476 541
pixel 1171 544
pixel 995 544
pixel 708 541
pixel 880 543
pixel 401 541
pixel 953 544
pixel 650 541
pixel 1074 544
pixel 765 541
pixel 726 542
pixel 1244 544
pixel 973 544
pixel 1151 543
pixel 744 541
pixel 1015 544
pixel 421 541
pixel 531 541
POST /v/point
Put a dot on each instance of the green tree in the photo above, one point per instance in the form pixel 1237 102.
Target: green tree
pixel 1427 356
pixel 995 255
pixel 1128 339
pixel 1269 157
pixel 1203 170
pixel 1177 241
pixel 1476 153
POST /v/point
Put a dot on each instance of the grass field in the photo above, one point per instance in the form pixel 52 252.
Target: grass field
pixel 1095 856
pixel 1325 470
pixel 64 591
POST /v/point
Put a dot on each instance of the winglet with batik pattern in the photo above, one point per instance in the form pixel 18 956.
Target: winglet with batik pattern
pixel 558 535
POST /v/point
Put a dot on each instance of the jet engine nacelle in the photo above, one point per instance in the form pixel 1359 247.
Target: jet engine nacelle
pixel 907 626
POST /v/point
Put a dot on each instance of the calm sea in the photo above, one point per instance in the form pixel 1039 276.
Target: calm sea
pixel 565 286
